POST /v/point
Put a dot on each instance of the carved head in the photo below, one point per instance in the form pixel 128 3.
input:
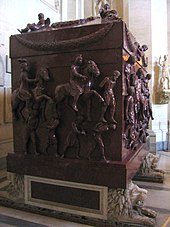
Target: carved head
pixel 131 59
pixel 108 16
pixel 79 60
pixel 44 74
pixel 144 47
pixel 148 76
pixel 47 21
pixel 92 68
pixel 140 73
pixel 40 16
pixel 23 64
pixel 116 74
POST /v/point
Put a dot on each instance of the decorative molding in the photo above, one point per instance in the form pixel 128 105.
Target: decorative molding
pixel 15 188
pixel 65 44
pixel 68 208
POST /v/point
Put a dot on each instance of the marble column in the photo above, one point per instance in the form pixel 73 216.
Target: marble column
pixel 73 9
pixel 159 34
pixel 80 9
pixel 122 6
pixel 148 23
pixel 139 23
pixel 168 27
pixel 89 8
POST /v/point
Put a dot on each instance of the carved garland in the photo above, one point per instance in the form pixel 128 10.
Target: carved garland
pixel 65 44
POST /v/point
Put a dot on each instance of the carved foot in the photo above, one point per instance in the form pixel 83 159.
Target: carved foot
pixel 19 30
pixel 112 126
pixel 114 121
pixel 101 100
pixel 140 219
pixel 104 159
pixel 148 212
pixel 75 108
pixel 23 30
pixel 103 120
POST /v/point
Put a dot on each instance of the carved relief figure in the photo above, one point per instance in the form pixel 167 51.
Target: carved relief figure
pixel 92 71
pixel 138 108
pixel 107 15
pixel 142 129
pixel 77 80
pixel 164 80
pixel 130 130
pixel 72 139
pixel 141 54
pixel 133 137
pixel 81 82
pixel 42 23
pixel 129 73
pixel 130 113
pixel 108 84
pixel 140 102
pixel 30 132
pixel 148 109
pixel 23 93
pixel 52 138
pixel 98 141
pixel 100 4
pixel 39 92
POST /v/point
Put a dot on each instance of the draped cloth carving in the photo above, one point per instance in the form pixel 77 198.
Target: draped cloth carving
pixel 64 44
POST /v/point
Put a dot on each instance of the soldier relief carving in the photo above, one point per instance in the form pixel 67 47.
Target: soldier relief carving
pixel 138 110
pixel 77 115
pixel 75 120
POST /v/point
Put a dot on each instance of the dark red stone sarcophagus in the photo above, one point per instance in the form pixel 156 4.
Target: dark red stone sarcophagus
pixel 72 123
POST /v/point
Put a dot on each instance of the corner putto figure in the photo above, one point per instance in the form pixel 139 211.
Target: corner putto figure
pixel 42 24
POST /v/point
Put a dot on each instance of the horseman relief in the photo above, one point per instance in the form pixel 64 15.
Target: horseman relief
pixel 78 97
pixel 23 93
pixel 86 98
pixel 29 103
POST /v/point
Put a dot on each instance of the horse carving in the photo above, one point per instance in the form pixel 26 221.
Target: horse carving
pixel 84 85
pixel 24 96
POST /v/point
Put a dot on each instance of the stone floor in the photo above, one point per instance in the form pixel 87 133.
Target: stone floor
pixel 158 200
